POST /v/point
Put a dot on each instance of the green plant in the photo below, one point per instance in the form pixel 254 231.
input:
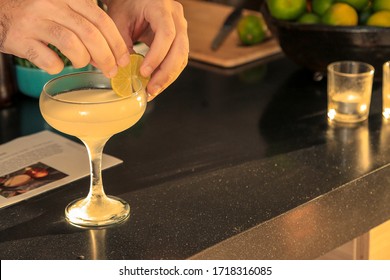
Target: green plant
pixel 26 63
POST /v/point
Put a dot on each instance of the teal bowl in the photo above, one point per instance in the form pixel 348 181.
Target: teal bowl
pixel 30 81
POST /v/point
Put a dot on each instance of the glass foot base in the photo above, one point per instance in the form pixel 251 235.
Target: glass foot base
pixel 98 213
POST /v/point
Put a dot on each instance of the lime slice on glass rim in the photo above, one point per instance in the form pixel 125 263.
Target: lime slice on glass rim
pixel 122 83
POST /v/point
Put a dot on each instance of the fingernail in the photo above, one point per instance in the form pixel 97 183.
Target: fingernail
pixel 124 60
pixel 154 90
pixel 147 71
pixel 150 97
pixel 113 72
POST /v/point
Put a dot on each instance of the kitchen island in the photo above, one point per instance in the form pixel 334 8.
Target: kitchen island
pixel 238 164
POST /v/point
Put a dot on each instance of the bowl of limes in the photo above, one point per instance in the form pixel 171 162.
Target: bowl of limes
pixel 314 33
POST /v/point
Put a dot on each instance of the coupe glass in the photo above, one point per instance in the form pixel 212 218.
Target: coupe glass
pixel 84 105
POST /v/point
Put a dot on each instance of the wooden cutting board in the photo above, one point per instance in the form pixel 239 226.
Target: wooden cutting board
pixel 204 20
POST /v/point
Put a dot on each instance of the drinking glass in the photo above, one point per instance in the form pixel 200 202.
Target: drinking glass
pixel 84 105
pixel 349 91
pixel 386 90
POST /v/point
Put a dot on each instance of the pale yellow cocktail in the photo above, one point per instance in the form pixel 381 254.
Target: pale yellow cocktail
pixel 104 115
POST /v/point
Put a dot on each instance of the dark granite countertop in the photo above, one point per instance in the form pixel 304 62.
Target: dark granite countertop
pixel 224 165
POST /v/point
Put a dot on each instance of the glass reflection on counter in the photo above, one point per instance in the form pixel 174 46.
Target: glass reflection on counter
pixel 351 144
pixel 384 137
pixel 98 244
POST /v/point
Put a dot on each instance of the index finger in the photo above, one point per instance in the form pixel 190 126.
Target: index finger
pixel 106 26
pixel 163 26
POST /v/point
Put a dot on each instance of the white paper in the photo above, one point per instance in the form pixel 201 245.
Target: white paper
pixel 34 164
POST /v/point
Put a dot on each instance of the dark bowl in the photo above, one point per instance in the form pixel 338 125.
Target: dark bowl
pixel 314 46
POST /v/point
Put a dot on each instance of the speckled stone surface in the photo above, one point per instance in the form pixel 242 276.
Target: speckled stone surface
pixel 224 165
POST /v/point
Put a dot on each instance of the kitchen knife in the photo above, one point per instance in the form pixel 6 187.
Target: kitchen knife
pixel 228 25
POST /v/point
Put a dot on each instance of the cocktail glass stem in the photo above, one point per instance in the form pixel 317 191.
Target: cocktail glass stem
pixel 95 153
pixel 97 209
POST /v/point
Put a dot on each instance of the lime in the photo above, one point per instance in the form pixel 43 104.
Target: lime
pixel 321 6
pixel 381 18
pixel 309 18
pixel 340 14
pixel 123 80
pixel 380 5
pixel 286 9
pixel 357 4
pixel 251 29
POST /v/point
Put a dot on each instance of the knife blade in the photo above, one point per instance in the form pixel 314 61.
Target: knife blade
pixel 228 25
